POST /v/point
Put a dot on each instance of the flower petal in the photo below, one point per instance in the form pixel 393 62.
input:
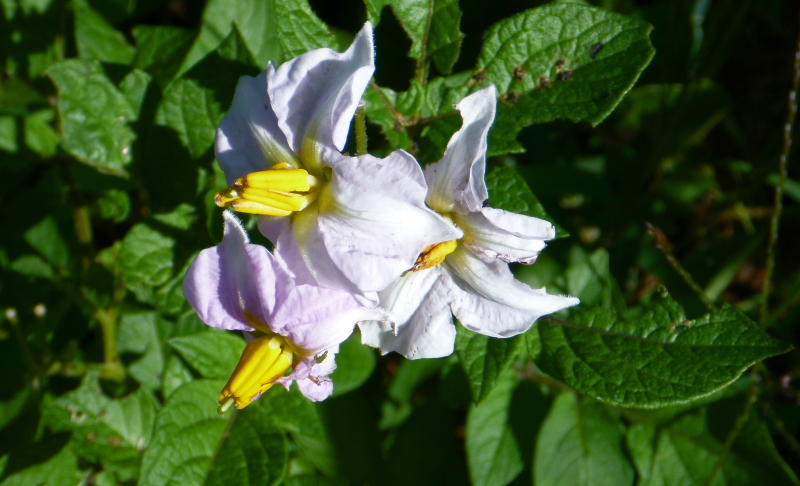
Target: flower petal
pixel 317 389
pixel 315 95
pixel 489 300
pixel 493 233
pixel 233 277
pixel 248 138
pixel 420 304
pixel 456 182
pixel 316 318
pixel 374 221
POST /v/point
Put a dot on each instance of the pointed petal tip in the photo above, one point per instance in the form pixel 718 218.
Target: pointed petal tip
pixel 234 227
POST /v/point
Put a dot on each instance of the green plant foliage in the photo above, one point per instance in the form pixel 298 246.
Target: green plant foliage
pixel 657 359
pixel 484 359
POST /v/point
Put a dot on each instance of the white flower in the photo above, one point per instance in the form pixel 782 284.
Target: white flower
pixel 353 223
pixel 469 278
pixel 240 286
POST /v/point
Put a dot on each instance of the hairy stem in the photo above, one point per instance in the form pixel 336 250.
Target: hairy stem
pixel 662 245
pixel 788 128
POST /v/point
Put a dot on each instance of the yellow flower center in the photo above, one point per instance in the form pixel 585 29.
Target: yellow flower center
pixel 277 191
pixel 265 360
pixel 433 255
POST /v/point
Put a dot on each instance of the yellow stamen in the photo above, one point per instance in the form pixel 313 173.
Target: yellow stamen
pixel 265 360
pixel 433 255
pixel 277 191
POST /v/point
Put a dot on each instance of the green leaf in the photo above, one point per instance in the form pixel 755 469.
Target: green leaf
pixel 146 256
pixel 657 359
pixel 33 266
pixel 484 359
pixel 59 470
pixel 559 61
pixel 45 238
pixel 273 30
pixel 213 353
pixel 161 50
pixel 432 26
pixel 95 115
pixel 581 443
pixel 492 453
pixel 685 452
pixel 176 374
pixel 509 191
pixel 193 105
pixel 97 39
pixel 354 364
pixel 143 333
pixel 410 374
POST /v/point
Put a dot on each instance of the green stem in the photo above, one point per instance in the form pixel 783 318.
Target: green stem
pixel 361 129
pixel 107 318
pixel 662 245
pixel 788 128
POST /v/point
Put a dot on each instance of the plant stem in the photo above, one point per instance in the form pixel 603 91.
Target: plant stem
pixel 112 369
pixel 361 129
pixel 662 245
pixel 788 128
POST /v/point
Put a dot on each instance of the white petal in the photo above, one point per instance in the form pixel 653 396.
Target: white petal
pixel 489 300
pixel 248 138
pixel 456 182
pixel 373 219
pixel 315 95
pixel 420 304
pixel 494 233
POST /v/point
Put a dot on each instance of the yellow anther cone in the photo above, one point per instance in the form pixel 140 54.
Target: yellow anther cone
pixel 433 255
pixel 277 191
pixel 265 359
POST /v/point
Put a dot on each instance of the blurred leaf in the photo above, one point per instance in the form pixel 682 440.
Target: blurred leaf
pixel 161 50
pixel 492 453
pixel 176 374
pixel 410 374
pixel 33 266
pixel 39 135
pixel 581 443
pixel 194 104
pixel 59 470
pixel 684 452
pixel 559 61
pixel 45 238
pixel 97 39
pixel 213 353
pixel 657 359
pixel 272 30
pixel 509 191
pixel 484 359
pixel 433 27
pixel 94 115
pixel 143 333
pixel 354 364
pixel 791 188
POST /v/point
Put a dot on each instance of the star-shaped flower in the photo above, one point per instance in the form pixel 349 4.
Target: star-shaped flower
pixel 355 223
pixel 468 277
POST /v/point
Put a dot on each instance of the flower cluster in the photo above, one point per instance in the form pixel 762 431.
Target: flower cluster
pixel 358 240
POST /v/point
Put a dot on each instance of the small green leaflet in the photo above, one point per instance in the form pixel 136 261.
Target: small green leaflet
pixel 484 359
pixel 658 359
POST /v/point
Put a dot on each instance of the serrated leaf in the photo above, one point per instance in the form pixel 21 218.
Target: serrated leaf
pixel 161 50
pixel 685 452
pixel 94 114
pixel 492 453
pixel 484 359
pixel 194 104
pixel 658 359
pixel 97 39
pixel 432 26
pixel 509 191
pixel 581 444
pixel 354 364
pixel 146 256
pixel 213 353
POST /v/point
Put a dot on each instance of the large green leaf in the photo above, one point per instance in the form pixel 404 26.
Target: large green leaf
pixel 492 453
pixel 354 364
pixel 657 359
pixel 97 39
pixel 581 444
pixel 59 470
pixel 484 359
pixel 161 50
pixel 432 25
pixel 146 256
pixel 193 445
pixel 95 115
